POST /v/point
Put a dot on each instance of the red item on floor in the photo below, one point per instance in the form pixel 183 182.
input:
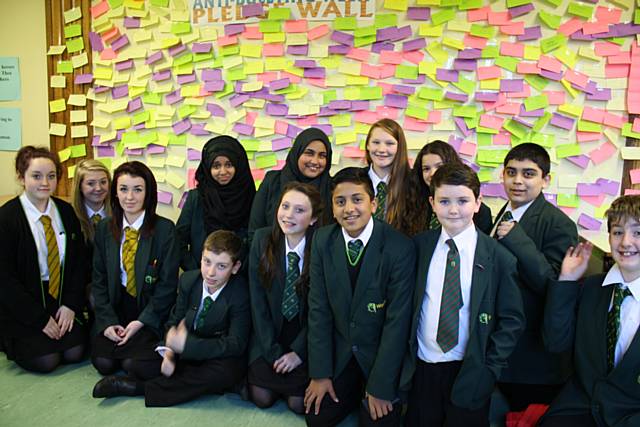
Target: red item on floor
pixel 528 417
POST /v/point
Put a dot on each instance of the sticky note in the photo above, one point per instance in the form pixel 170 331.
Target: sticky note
pixel 57 129
pixel 57 105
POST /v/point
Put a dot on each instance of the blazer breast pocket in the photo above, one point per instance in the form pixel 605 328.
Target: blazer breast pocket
pixel 151 276
pixel 374 300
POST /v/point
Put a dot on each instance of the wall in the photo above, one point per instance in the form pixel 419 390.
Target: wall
pixel 23 34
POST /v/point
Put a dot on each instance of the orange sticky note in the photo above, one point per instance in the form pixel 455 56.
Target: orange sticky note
pixel 528 68
pixel 498 18
pixel 481 14
pixel 514 29
pixel 390 57
pixel 227 40
pixel 297 26
pixel 252 32
pixel 99 9
pixel 491 72
pixel 317 32
pixel 358 54
pixel 273 49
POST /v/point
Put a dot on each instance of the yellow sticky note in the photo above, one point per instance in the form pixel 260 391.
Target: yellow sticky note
pixel 251 50
pixel 174 179
pixel 58 82
pixel 79 131
pixel 57 105
pixel 78 116
pixel 175 161
pixel 79 60
pixel 399 5
pixel 345 137
pixel 56 50
pixel 100 122
pixel 57 129
pixel 72 15
pixel 64 154
pixel 77 100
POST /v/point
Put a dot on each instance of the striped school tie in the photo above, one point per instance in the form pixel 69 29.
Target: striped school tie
pixel 95 219
pixel 290 303
pixel 354 250
pixel 53 257
pixel 206 306
pixel 613 323
pixel 129 249
pixel 381 198
pixel 447 337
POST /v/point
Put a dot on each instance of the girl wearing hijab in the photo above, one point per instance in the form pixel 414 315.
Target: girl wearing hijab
pixel 308 161
pixel 221 201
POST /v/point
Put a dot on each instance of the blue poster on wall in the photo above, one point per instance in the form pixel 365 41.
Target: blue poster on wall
pixel 9 79
pixel 10 129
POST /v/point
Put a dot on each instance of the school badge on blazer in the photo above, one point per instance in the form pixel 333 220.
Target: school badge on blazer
pixel 152 273
pixel 484 318
pixel 372 307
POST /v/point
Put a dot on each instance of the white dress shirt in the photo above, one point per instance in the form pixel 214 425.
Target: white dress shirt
pixel 90 212
pixel 375 179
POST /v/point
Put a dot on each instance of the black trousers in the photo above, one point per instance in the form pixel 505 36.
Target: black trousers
pixel 519 396
pixel 349 387
pixel 581 420
pixel 193 379
pixel 430 399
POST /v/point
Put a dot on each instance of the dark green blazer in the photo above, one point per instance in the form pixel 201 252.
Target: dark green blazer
pixel 266 307
pixel 22 296
pixel 576 317
pixel 226 326
pixel 496 318
pixel 265 203
pixel 539 242
pixel 156 267
pixel 372 323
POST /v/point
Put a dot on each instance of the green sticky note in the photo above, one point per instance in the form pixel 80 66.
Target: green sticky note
pixel 406 72
pixel 187 58
pixel 470 4
pixel 543 139
pixel 178 139
pixel 152 98
pixel 567 150
pixel 626 131
pixel 117 3
pixel 465 85
pixel 552 43
pixel 541 122
pixel 484 140
pixel 449 3
pixel 178 28
pixel 345 23
pixel 490 156
pixel 64 67
pixel 120 148
pixel 286 90
pixel 443 16
pixel 363 41
pixel 536 81
pixel 236 74
pixel 230 50
pixel 73 30
pixel 536 102
pixel 129 138
pixel 568 200
pixel 554 3
pixel 365 31
pixel 186 110
pixel 140 117
pixel 199 57
pixel 266 161
pixel 472 122
pixel 507 62
pixel 250 144
pixel 279 14
pixel 516 3
pixel 149 138
pixel 383 20
pixel 482 31
pixel 79 150
pixel 329 95
pixel 270 26
pixel 432 94
pixel 636 16
pixel 75 45
pixel 490 52
pixel 485 175
pixel 370 93
pixel 514 128
pixel 465 111
pixel 580 10
pixel 551 20
pixel 160 3
pixel 417 112
pixel 585 126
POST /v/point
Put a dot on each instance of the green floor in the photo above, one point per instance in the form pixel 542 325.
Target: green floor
pixel 63 398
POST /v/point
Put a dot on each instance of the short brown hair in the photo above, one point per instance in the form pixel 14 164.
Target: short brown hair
pixel 28 153
pixel 224 241
pixel 456 174
pixel 623 208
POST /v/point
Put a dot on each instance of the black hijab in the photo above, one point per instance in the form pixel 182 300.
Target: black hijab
pixel 225 206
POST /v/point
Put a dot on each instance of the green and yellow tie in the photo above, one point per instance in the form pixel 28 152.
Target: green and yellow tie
pixel 447 337
pixel 53 257
pixel 613 323
pixel 129 249
pixel 381 198
pixel 95 219
pixel 290 303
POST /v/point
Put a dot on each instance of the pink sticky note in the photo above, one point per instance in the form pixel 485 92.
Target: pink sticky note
pixel 608 15
pixel 252 32
pixel 165 197
pixel 273 49
pixel 415 57
pixel 414 124
pixel 631 192
pixel 498 18
pixel 385 112
pixel 636 125
pixel 281 127
pixel 590 28
pixel 434 117
pixel 317 32
pixel 606 48
pixel 258 174
pixel 571 26
pixel 485 73
pixel 474 42
pixel 512 49
pixel 595 115
pixel 227 40
pixel 508 108
pixel 502 139
pixel 367 117
pixel 468 148
pixel 492 122
pixel 370 71
pixel 614 120
pixel 358 54
pixel 352 153
pixel 602 153
pixel 616 71
pixel 594 200
pixel 107 54
pixel 634 174
pixel 514 29
pixel 481 14
pixel 555 97
pixel 279 165
pixel 297 26
pixel 549 63
pixel 390 57
pixel 588 136
pixel 528 68
pixel 99 9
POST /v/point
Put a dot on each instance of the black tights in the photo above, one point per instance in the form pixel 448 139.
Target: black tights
pixel 265 398
pixel 48 362
pixel 139 369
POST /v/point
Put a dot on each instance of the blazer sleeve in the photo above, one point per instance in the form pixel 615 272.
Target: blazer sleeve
pixel 73 290
pixel 509 312
pixel 157 309
pixel 385 372
pixel 14 298
pixel 320 333
pixel 483 220
pixel 632 420
pixel 263 325
pixel 234 343
pixel 183 232
pixel 258 218
pixel 105 314
pixel 560 315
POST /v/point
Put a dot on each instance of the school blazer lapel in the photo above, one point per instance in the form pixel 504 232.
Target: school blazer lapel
pixel 195 296
pixel 426 246
pixel 530 215
pixel 340 283
pixel 598 336
pixel 370 261
pixel 480 278
pixel 112 252
pixel 142 260
pixel 275 295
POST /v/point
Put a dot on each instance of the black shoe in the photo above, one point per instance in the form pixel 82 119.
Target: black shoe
pixel 113 386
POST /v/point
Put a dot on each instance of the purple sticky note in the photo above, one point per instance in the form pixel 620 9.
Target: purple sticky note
pixel 173 97
pixel 459 97
pixel 101 89
pixel 181 126
pixel 462 126
pixel 305 63
pixel 396 101
pixel 124 65
pixel 165 197
pixel 464 64
pixel 584 189
pixel 445 75
pixel 201 47
pixel 420 80
pixel 340 105
pixel 523 122
pixel 315 73
pixel 155 149
pixel 215 110
pixel 551 198
pixel 208 75
pixel 520 10
pixel 243 129
pixel 378 47
pixel 599 95
pixel 511 85
pixel 214 86
pixel 455 142
pixel 279 84
pixel 177 50
pixel 233 29
pixel 120 42
pixel 199 130
pixel 139 126
pixel 95 141
pixel 402 33
pixel 359 105
pixel 237 100
pixel 96 42
pixel 302 49
pixel 582 161
pixel 470 54
pixel 327 129
pixel 609 187
pixel 153 58
pixel 493 190
pixel 589 222
pixel 403 89
pixel 134 105
pixel 277 109
pixel 81 79
pixel 487 96
pixel 533 113
pixel 339 49
pixel 281 143
pixel 120 91
pixel 530 33
pixel 161 75
pixel 384 34
pixel 130 22
pixel 551 75
pixel 106 151
pixel 293 131
pixel 563 122
pixel 186 78
pixel 134 151
pixel 419 13
pixel 249 10
pixel 326 112
pixel 342 38
pixel 415 44
pixel 193 155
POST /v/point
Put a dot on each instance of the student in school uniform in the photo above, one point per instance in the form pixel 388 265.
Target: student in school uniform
pixel 135 275
pixel 279 284
pixel 467 312
pixel 221 200
pixel 308 161
pixel 388 169
pixel 362 272
pixel 208 332
pixel 598 318
pixel 537 234
pixel 429 159
pixel 42 269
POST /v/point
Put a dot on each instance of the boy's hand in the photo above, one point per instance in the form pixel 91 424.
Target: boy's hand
pixel 287 363
pixel 315 393
pixel 504 228
pixel 177 337
pixel 575 261
pixel 168 363
pixel 378 408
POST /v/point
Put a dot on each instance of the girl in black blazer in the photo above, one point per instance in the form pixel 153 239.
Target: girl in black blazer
pixel 135 276
pixel 221 200
pixel 429 159
pixel 278 283
pixel 42 269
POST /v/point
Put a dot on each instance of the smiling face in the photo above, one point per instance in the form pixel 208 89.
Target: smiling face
pixel 40 181
pixel 352 207
pixel 222 170
pixel 313 160
pixel 382 148
pixel 454 205
pixel 131 194
pixel 523 181
pixel 94 188
pixel 624 238
pixel 217 269
pixel 430 164
pixel 295 215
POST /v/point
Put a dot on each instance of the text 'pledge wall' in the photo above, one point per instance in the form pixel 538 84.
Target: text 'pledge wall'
pixel 168 75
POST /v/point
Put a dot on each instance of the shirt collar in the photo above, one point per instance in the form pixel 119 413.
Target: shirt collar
pixel 375 179
pixel 91 212
pixel 518 212
pixel 615 276
pixel 299 249
pixel 206 293
pixel 137 224
pixel 33 214
pixel 463 240
pixel 364 236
